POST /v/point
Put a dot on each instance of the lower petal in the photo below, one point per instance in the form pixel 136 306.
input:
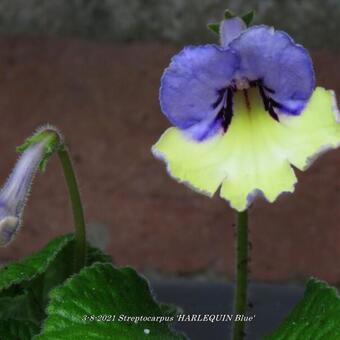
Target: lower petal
pixel 256 163
pixel 255 155
pixel 315 131
pixel 197 164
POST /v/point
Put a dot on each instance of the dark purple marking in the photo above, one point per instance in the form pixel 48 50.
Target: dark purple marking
pixel 268 89
pixel 246 98
pixel 226 113
pixel 268 104
pixel 220 95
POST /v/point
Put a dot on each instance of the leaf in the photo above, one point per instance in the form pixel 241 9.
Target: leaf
pixel 316 316
pixel 103 291
pixel 61 269
pixel 21 307
pixel 96 255
pixel 248 18
pixel 25 285
pixel 25 270
pixel 215 27
pixel 53 262
pixel 17 330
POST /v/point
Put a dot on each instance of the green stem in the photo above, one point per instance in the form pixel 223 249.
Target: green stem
pixel 240 304
pixel 77 208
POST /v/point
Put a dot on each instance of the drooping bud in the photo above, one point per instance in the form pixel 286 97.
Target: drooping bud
pixel 35 153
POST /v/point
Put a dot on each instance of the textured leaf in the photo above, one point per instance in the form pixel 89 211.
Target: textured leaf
pixel 25 270
pixel 21 307
pixel 25 285
pixel 96 255
pixel 50 266
pixel 17 330
pixel 316 316
pixel 102 290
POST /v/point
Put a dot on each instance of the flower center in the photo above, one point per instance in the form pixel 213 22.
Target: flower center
pixel 226 113
pixel 241 84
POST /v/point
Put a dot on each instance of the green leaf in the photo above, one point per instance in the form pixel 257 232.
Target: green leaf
pixel 17 330
pixel 53 264
pixel 27 269
pixel 248 18
pixel 21 307
pixel 98 291
pixel 316 316
pixel 25 285
pixel 96 255
pixel 215 27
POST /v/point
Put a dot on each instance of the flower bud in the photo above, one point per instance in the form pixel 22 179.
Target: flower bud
pixel 14 193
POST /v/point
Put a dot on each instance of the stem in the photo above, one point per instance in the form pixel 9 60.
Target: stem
pixel 240 304
pixel 77 208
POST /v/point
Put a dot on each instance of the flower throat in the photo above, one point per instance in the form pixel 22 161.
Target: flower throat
pixel 226 113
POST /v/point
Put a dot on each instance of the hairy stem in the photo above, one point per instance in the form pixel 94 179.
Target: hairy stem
pixel 240 302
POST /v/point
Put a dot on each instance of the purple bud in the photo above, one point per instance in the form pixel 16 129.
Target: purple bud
pixel 14 193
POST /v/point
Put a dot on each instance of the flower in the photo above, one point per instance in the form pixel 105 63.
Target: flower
pixel 35 153
pixel 244 113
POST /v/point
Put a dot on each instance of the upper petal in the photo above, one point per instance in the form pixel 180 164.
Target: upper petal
pixel 231 29
pixel 284 67
pixel 193 86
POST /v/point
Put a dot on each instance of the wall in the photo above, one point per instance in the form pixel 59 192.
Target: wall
pixel 174 20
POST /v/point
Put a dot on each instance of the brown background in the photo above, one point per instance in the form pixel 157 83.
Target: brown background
pixel 104 98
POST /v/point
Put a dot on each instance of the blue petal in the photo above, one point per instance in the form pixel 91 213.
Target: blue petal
pixel 285 68
pixel 193 88
pixel 230 29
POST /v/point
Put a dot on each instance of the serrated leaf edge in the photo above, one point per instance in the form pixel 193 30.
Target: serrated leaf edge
pixel 67 239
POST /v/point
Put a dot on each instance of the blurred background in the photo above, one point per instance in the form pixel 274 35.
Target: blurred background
pixel 92 68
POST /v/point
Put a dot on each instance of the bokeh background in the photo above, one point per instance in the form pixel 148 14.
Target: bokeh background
pixel 92 68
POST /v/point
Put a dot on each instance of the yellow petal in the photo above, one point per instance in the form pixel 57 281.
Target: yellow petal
pixel 316 130
pixel 255 154
pixel 197 164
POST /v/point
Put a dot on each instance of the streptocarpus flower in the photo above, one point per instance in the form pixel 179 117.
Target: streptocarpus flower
pixel 14 193
pixel 244 113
